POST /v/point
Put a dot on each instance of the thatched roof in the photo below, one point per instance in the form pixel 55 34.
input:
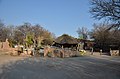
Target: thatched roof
pixel 66 39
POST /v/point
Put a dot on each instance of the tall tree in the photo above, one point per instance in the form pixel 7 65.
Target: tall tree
pixel 4 32
pixel 108 9
pixel 25 34
pixel 1 31
pixel 83 33
pixel 103 38
pixel 100 34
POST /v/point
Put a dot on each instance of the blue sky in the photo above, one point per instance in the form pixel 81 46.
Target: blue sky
pixel 57 16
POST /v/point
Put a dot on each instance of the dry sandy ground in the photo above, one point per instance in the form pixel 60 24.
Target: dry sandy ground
pixel 60 68
pixel 6 60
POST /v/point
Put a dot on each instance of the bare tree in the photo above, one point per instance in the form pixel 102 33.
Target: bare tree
pixel 100 34
pixel 1 31
pixel 83 33
pixel 103 38
pixel 25 34
pixel 4 32
pixel 108 9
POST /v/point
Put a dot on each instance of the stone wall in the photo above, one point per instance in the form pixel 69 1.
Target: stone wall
pixel 0 45
pixel 5 48
pixel 57 52
pixel 114 52
pixel 5 45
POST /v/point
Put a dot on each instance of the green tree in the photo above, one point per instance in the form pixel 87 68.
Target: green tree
pixel 25 34
pixel 29 39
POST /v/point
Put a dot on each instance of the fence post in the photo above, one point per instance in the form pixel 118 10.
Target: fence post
pixel 100 51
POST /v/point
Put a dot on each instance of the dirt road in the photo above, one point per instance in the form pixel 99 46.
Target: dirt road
pixel 6 61
pixel 62 68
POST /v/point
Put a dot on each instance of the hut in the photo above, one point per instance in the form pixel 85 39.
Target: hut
pixel 66 41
